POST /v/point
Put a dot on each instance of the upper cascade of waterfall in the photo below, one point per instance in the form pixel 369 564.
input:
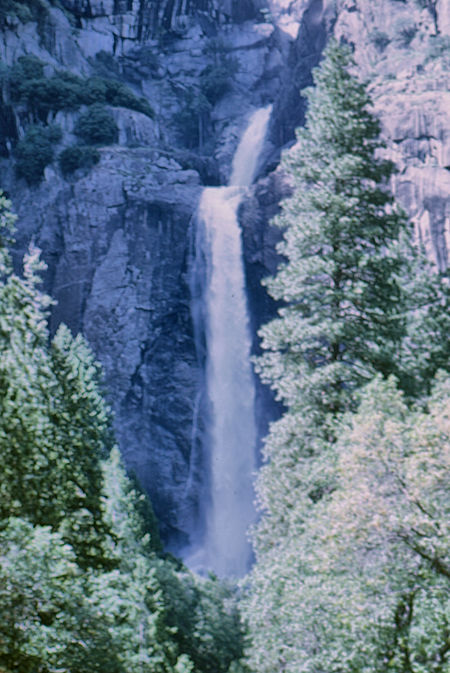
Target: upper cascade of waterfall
pixel 245 160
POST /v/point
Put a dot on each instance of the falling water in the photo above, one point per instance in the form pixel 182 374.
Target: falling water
pixel 229 380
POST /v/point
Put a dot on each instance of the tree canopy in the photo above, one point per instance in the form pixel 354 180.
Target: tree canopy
pixel 359 303
pixel 83 587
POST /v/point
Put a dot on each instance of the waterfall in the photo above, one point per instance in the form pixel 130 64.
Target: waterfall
pixel 231 429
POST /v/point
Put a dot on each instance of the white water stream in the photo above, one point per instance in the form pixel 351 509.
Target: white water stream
pixel 229 379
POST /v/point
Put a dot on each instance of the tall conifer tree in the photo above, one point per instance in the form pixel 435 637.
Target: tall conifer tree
pixel 342 320
pixel 54 424
pixel 349 313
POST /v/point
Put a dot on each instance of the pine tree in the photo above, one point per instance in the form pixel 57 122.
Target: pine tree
pixel 342 320
pixel 81 427
pixel 28 465
pixel 358 299
pixel 54 425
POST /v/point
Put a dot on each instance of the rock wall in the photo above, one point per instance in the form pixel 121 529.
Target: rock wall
pixel 117 238
pixel 403 48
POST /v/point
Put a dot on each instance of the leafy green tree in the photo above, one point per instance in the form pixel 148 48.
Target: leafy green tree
pixel 359 299
pixel 364 588
pixel 78 156
pixel 425 346
pixel 54 425
pixel 35 151
pixel 81 427
pixel 47 622
pixel 391 513
pixel 65 90
pixel 131 596
pixel 38 581
pixel 96 126
pixel 205 617
pixel 162 618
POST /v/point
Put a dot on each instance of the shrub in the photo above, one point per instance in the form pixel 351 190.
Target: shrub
pixel 24 10
pixel 216 78
pixel 97 126
pixel 112 92
pixel 405 30
pixel 35 151
pixel 78 156
pixel 379 39
pixel 64 90
pixel 24 69
pixel 105 64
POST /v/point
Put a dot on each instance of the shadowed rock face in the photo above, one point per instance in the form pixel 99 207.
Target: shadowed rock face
pixel 117 239
pixel 117 245
pixel 146 18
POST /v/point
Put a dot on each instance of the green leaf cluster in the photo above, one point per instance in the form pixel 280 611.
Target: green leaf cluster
pixel 35 151
pixel 78 156
pixel 24 10
pixel 97 126
pixel 352 548
pixel 83 583
pixel 362 585
pixel 66 91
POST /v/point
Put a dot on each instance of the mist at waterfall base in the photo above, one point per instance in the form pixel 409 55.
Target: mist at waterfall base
pixel 221 317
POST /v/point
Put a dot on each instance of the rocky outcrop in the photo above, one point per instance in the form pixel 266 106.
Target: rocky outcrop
pixel 403 49
pixel 117 245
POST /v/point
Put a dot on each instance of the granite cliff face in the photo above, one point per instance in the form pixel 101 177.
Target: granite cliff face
pixel 117 237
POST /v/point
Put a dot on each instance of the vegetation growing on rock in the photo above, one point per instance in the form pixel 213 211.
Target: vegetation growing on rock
pixel 66 91
pixel 96 126
pixel 78 156
pixel 35 151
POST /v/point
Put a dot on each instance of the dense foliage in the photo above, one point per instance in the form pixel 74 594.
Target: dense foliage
pixel 78 156
pixel 83 586
pixel 65 91
pixel 36 96
pixel 97 126
pixel 352 547
pixel 24 10
pixel 35 151
pixel 363 585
